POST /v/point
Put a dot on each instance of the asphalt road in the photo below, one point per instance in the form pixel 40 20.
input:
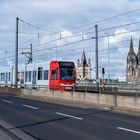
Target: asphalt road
pixel 35 120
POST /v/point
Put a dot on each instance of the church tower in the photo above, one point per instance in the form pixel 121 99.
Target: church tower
pixel 138 54
pixel 83 68
pixel 138 64
pixel 131 64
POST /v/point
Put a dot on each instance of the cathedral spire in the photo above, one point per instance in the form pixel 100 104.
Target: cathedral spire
pixel 139 47
pixel 84 60
pixel 131 51
pixel 138 54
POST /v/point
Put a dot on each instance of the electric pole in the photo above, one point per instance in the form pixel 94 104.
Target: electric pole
pixel 29 55
pixel 16 53
pixel 96 57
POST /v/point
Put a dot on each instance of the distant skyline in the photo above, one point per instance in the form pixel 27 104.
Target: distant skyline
pixel 74 22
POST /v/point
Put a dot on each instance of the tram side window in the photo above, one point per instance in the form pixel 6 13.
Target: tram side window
pixel 2 76
pixel 28 76
pixel 55 74
pixel 6 77
pixel 40 73
pixel 9 76
pixel 45 77
pixel 18 76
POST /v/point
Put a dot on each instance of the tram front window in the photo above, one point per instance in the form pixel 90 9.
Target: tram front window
pixel 67 71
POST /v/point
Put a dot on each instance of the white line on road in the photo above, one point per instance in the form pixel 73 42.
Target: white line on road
pixel 106 108
pixel 28 106
pixel 69 116
pixel 7 101
pixel 129 130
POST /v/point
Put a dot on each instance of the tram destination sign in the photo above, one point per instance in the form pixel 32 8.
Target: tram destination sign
pixel 66 64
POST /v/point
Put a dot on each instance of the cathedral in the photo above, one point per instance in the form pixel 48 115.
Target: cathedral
pixel 83 69
pixel 133 64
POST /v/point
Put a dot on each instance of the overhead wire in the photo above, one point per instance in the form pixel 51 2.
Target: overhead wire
pixel 109 18
pixel 103 36
pixel 80 34
pixel 102 20
pixel 91 23
pixel 34 26
pixel 112 17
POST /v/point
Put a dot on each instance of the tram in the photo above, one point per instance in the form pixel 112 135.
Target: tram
pixel 55 75
pixel 62 75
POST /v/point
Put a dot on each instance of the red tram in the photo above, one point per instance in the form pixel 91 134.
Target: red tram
pixel 62 75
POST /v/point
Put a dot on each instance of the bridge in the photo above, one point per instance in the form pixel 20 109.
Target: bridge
pixel 34 114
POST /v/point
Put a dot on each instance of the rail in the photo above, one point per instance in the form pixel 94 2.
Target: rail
pixel 90 87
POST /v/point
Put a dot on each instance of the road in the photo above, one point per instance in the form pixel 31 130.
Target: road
pixel 29 119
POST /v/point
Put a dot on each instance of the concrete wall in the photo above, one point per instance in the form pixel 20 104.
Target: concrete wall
pixel 91 98
pixel 10 90
pixel 132 102
pixel 128 101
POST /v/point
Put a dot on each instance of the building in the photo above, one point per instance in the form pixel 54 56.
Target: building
pixel 133 64
pixel 83 69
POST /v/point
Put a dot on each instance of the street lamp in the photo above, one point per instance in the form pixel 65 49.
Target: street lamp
pixel 108 58
pixel 25 75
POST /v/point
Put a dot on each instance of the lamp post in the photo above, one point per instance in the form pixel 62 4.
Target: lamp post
pixel 96 57
pixel 108 58
pixel 25 75
pixel 16 54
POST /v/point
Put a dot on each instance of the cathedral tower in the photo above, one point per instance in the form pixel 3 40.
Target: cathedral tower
pixel 138 64
pixel 132 63
pixel 138 54
pixel 83 68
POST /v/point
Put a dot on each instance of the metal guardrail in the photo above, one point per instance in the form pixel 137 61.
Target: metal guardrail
pixel 118 85
pixel 90 87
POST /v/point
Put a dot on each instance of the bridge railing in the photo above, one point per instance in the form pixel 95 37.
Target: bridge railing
pixel 91 87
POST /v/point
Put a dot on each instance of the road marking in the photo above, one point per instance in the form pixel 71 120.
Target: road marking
pixel 69 116
pixel 129 130
pixel 28 106
pixel 106 108
pixel 7 101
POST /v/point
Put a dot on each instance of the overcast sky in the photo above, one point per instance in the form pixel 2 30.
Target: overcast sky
pixel 65 29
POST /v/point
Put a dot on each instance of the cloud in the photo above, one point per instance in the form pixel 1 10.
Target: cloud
pixel 119 35
pixel 9 62
pixel 66 44
pixel 59 38
pixel 63 16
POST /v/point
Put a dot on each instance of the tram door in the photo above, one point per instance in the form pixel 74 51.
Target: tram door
pixel 34 78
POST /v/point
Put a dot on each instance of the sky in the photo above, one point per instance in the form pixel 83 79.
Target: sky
pixel 62 29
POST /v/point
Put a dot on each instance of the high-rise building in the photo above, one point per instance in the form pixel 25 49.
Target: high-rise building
pixel 83 69
pixel 133 64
